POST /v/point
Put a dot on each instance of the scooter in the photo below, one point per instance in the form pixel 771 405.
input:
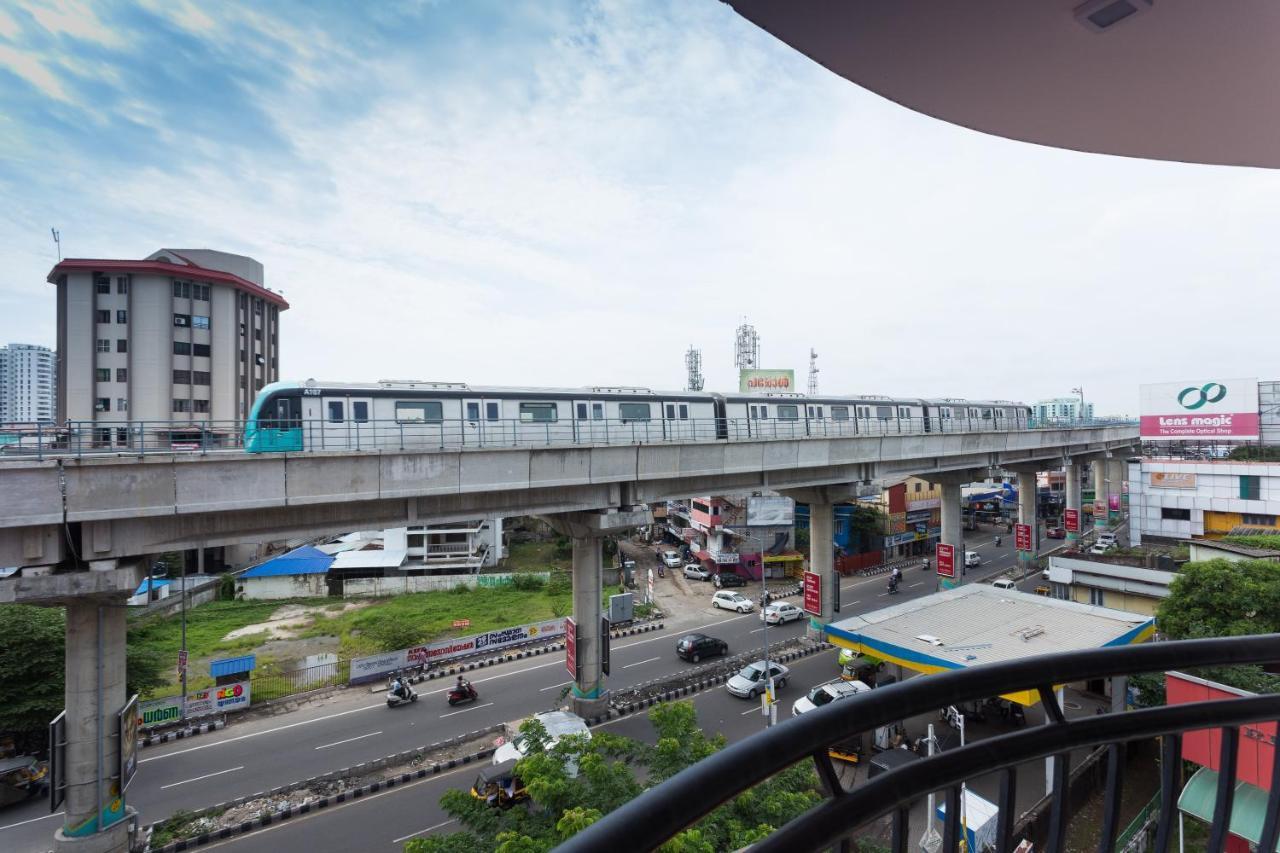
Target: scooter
pixel 893 585
pixel 466 693
pixel 997 542
pixel 399 691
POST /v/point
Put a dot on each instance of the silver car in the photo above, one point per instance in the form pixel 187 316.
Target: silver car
pixel 697 572
pixel 750 681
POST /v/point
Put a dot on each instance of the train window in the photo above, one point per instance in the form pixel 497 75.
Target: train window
pixel 582 411
pixel 839 413
pixel 810 411
pixel 944 412
pixel 755 413
pixel 764 411
pixel 633 412
pixel 973 413
pixel 904 412
pixel 491 411
pixel 473 411
pixel 538 412
pixel 884 413
pixel 788 413
pixel 671 411
pixel 819 412
pixel 335 412
pixel 597 411
pixel 684 411
pixel 360 412
pixel 986 414
pixel 416 413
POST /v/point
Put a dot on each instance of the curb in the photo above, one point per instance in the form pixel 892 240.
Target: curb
pixel 153 739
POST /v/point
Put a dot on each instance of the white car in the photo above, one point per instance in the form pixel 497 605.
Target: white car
pixel 671 559
pixel 1006 584
pixel 750 681
pixel 825 694
pixel 1107 538
pixel 780 612
pixel 557 723
pixel 729 600
pixel 697 572
pixel 1101 548
pixel 972 559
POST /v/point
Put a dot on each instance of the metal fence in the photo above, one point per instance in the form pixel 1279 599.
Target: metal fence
pixel 268 683
pixel 80 438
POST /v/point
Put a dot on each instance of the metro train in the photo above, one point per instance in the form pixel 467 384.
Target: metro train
pixel 312 415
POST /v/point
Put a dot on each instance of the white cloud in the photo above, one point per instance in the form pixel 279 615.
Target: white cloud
pixel 29 67
pixel 71 17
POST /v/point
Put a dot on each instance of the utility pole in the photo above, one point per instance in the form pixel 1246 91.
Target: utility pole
pixel 57 242
pixel 1080 391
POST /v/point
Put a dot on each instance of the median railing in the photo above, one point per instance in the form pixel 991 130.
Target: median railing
pixel 660 813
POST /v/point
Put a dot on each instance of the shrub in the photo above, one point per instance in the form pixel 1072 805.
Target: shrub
pixel 527 582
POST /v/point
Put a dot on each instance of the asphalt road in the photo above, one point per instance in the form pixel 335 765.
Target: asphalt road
pixel 260 754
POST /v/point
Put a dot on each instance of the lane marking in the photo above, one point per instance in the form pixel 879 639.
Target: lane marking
pixel 859 601
pixel 554 686
pixel 637 663
pixel 32 820
pixel 348 740
pixel 205 776
pixel 422 831
pixel 749 711
pixel 914 585
pixel 465 710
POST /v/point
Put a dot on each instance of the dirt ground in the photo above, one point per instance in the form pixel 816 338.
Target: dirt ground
pixel 288 619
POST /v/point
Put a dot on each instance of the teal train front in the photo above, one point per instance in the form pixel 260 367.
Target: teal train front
pixel 275 421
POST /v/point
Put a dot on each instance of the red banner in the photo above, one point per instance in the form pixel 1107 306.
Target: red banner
pixel 813 593
pixel 1022 537
pixel 1072 517
pixel 946 560
pixel 571 647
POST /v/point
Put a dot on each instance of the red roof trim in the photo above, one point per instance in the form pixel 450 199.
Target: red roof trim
pixel 178 270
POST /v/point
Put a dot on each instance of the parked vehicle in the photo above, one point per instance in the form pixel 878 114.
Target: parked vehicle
pixel 695 647
pixel 697 572
pixel 780 612
pixel 1006 584
pixel 1101 548
pixel 22 777
pixel 671 559
pixel 825 694
pixel 972 559
pixel 728 579
pixel 1107 537
pixel 466 692
pixel 736 601
pixel 557 723
pixel 751 680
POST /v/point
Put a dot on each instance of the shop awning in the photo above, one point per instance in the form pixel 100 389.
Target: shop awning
pixel 1248 809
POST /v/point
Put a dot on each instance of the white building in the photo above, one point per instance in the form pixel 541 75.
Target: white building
pixel 1062 409
pixel 27 383
pixel 1184 499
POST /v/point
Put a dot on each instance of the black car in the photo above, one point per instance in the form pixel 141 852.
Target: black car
pixel 724 580
pixel 695 647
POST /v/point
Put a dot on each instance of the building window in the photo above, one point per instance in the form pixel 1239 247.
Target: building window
pixel 183 320
pixel 581 410
pixel 104 346
pixel 259 360
pixel 199 377
pixel 918 486
pixel 257 334
pixel 755 413
pixel 103 404
pixel 182 377
pixel 538 412
pixel 122 405
pixel 1259 520
pixel 122 316
pixel 199 321
pixel 257 307
pixel 1098 597
pixel 103 374
pixel 181 348
pixel 360 412
pixel 122 284
pixel 200 292
pixel 1169 513
pixel 122 345
pixel 103 315
pixel 633 412
pixel 122 436
pixel 122 374
pixel 1250 487
pixel 242 329
pixel 335 412
pixel 103 284
pixel 182 405
pixel 491 411
pixel 201 406
pixel 904 412
pixel 273 361
pixel 182 289
pixel 200 349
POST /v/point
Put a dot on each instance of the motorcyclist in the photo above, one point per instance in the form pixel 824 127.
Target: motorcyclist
pixel 997 541
pixel 399 687
pixel 895 576
pixel 463 687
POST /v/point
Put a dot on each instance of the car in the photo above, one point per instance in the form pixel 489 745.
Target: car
pixel 557 723
pixel 695 647
pixel 780 612
pixel 671 559
pixel 1006 584
pixel 750 681
pixel 1056 533
pixel 697 572
pixel 825 694
pixel 732 601
pixel 1045 573
pixel 972 559
pixel 727 579
pixel 1101 548
pixel 1107 538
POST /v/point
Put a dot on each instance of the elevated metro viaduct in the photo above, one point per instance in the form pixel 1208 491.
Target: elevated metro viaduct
pixel 75 525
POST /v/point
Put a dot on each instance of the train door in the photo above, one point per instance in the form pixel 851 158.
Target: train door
pixel 363 433
pixel 589 425
pixel 473 424
pixel 335 426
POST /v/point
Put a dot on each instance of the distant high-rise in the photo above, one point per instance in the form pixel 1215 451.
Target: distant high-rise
pixel 1062 409
pixel 27 383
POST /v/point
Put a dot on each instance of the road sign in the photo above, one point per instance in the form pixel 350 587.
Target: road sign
pixel 1072 518
pixel 813 593
pixel 946 560
pixel 604 644
pixel 462 623
pixel 182 659
pixel 1022 537
pixel 571 647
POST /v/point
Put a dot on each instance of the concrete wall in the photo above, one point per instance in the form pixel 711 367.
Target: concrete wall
pixel 1117 600
pixel 283 586
pixel 359 587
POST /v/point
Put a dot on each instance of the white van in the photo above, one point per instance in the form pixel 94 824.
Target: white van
pixel 1006 584
pixel 972 559
pixel 1107 538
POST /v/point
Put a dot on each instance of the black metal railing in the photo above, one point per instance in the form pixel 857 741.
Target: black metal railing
pixel 660 813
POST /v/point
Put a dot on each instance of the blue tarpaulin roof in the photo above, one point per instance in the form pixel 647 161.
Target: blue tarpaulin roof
pixel 150 583
pixel 301 561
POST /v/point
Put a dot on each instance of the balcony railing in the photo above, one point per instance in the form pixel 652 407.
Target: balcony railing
pixel 660 813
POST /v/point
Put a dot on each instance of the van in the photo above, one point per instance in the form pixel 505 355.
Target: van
pixel 972 559
pixel 1005 584
pixel 1106 538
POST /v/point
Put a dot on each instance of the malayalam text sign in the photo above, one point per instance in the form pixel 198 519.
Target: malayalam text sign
pixel 1022 537
pixel 1200 409
pixel 766 381
pixel 571 647
pixel 813 593
pixel 1072 518
pixel 946 560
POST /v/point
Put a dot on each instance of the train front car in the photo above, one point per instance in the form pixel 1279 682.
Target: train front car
pixel 275 421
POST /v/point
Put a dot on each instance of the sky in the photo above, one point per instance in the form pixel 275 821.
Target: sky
pixel 574 193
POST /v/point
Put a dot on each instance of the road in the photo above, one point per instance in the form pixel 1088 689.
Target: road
pixel 357 726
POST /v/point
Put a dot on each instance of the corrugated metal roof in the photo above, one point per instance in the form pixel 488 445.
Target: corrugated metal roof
pixel 150 584
pixel 375 558
pixel 302 561
pixel 232 666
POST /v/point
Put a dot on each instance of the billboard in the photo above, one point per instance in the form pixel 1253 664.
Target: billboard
pixel 1072 519
pixel 946 560
pixel 200 703
pixel 1167 480
pixel 770 512
pixel 1022 537
pixel 767 381
pixel 571 647
pixel 813 593
pixel 127 730
pixel 1199 409
pixel 375 666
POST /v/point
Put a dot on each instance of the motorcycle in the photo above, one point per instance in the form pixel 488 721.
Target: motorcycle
pixel 465 693
pixel 997 542
pixel 399 691
pixel 924 564
pixel 893 585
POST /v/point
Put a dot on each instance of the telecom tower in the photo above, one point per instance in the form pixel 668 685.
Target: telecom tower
pixel 693 368
pixel 813 372
pixel 746 347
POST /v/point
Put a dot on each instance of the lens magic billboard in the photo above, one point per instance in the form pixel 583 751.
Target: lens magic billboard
pixel 1200 409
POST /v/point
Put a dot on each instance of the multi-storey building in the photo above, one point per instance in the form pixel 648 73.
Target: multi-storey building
pixel 1062 409
pixel 26 383
pixel 172 346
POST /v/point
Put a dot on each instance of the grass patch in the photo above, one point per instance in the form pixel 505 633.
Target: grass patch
pixel 536 556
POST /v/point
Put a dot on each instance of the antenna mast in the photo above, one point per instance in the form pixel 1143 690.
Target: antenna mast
pixel 57 242
pixel 813 372
pixel 693 369
pixel 746 347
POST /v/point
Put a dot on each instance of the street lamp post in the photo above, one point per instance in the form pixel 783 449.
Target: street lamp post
pixel 764 635
pixel 1080 391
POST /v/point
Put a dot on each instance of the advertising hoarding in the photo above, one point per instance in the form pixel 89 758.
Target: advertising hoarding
pixel 1167 480
pixel 571 647
pixel 57 761
pixel 1022 537
pixel 946 560
pixel 1072 519
pixel 767 381
pixel 200 703
pixel 770 512
pixel 376 666
pixel 813 593
pixel 1200 409
pixel 127 730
